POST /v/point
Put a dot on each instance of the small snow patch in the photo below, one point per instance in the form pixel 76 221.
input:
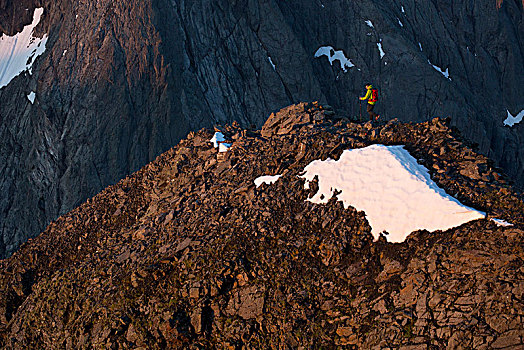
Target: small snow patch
pixel 445 73
pixel 31 97
pixel 223 147
pixel 420 46
pixel 218 142
pixel 217 138
pixel 500 222
pixel 396 193
pixel 400 23
pixel 18 52
pixel 382 53
pixel 272 64
pixel 267 179
pixel 369 23
pixel 512 120
pixel 402 9
pixel 333 55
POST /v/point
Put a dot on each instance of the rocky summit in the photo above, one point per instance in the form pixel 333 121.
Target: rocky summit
pixel 118 82
pixel 189 253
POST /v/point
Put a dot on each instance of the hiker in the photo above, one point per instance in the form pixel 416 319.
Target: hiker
pixel 372 97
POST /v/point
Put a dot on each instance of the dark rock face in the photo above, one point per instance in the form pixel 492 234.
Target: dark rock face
pixel 189 253
pixel 122 81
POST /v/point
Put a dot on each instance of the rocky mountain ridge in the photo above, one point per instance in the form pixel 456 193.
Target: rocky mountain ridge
pixel 122 81
pixel 189 253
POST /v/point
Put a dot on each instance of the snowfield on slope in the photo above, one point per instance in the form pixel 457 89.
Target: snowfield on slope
pixel 18 52
pixel 334 55
pixel 396 193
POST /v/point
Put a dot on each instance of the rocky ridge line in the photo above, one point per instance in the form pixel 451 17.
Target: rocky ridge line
pixel 188 253
pixel 123 81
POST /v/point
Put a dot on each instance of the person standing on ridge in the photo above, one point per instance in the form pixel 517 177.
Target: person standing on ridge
pixel 372 97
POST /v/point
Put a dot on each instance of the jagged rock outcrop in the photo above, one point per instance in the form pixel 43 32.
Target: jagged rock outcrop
pixel 188 252
pixel 123 81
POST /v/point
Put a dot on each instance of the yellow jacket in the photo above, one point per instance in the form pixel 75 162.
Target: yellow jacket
pixel 368 96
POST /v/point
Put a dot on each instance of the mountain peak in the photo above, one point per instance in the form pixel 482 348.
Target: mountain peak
pixel 116 83
pixel 189 251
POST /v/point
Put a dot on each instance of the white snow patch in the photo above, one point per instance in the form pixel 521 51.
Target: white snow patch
pixel 218 141
pixel 500 222
pixel 420 46
pixel 31 97
pixel 512 120
pixel 382 53
pixel 369 23
pixel 395 191
pixel 267 179
pixel 402 8
pixel 445 73
pixel 217 138
pixel 333 55
pixel 16 51
pixel 400 23
pixel 272 64
pixel 223 147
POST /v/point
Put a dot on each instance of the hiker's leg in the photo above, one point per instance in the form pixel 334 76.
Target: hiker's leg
pixel 370 112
